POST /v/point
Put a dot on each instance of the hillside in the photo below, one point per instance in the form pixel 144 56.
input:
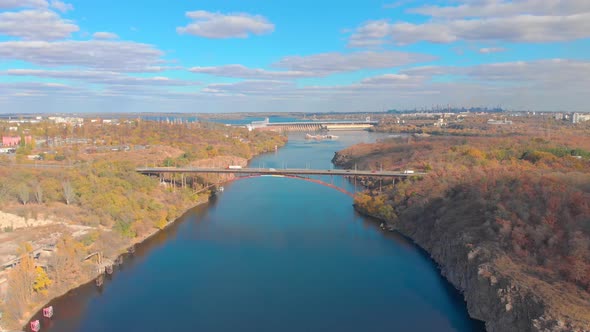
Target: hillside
pixel 507 217
pixel 74 188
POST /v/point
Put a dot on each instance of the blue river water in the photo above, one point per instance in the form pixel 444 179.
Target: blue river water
pixel 272 254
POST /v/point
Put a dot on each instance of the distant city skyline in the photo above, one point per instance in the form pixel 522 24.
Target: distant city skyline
pixel 307 56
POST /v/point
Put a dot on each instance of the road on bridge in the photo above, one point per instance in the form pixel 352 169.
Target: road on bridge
pixel 282 171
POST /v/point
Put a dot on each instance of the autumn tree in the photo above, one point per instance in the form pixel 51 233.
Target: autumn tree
pixel 42 281
pixel 68 191
pixel 20 284
pixel 67 259
pixel 23 194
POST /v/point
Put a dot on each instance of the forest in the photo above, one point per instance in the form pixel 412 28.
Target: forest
pixel 521 193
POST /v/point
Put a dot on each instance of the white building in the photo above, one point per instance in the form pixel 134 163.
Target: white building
pixel 577 117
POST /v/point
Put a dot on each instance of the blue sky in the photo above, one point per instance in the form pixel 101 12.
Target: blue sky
pixel 224 56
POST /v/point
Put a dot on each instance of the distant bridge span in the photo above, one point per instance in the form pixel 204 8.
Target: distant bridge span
pixel 282 171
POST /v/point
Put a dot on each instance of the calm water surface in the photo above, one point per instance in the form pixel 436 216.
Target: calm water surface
pixel 272 254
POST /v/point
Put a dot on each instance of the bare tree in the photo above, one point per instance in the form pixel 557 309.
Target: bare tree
pixel 23 193
pixel 69 194
pixel 38 193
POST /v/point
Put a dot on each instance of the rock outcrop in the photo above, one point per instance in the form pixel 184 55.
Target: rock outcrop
pixel 490 283
pixel 498 290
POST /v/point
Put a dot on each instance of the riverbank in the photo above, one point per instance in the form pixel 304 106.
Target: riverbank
pixel 493 285
pixel 91 278
pixel 102 204
pixel 125 248
pixel 509 233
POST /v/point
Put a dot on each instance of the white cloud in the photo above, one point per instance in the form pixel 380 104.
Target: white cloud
pixel 317 65
pixel 9 4
pixel 217 25
pixel 56 4
pixel 35 89
pixel 496 8
pixel 61 6
pixel 99 77
pixel 253 87
pixel 523 28
pixel 490 20
pixel 240 71
pixel 95 54
pixel 371 33
pixel 554 84
pixel 105 35
pixel 488 50
pixel 328 63
pixel 35 25
pixel 545 75
pixel 387 79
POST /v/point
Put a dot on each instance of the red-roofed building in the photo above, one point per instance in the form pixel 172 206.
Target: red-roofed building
pixel 15 140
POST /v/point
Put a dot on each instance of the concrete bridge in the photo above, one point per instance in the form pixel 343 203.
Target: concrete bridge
pixel 282 171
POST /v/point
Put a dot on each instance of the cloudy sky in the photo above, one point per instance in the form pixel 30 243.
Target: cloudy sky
pixel 283 55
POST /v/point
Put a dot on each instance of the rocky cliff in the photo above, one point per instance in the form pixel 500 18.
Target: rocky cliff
pixel 490 282
pixel 497 289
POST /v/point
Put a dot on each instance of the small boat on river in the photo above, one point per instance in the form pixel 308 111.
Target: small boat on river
pixel 35 326
pixel 48 312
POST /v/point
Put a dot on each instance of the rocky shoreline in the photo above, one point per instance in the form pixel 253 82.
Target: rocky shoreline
pixel 492 296
pixel 497 289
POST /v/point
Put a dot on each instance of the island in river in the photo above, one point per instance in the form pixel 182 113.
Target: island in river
pixel 504 212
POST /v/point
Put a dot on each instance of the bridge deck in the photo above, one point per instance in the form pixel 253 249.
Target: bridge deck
pixel 272 171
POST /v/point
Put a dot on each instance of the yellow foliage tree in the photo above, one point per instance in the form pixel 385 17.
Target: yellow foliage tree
pixel 42 281
pixel 161 219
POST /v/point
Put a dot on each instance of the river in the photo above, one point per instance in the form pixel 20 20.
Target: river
pixel 272 254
